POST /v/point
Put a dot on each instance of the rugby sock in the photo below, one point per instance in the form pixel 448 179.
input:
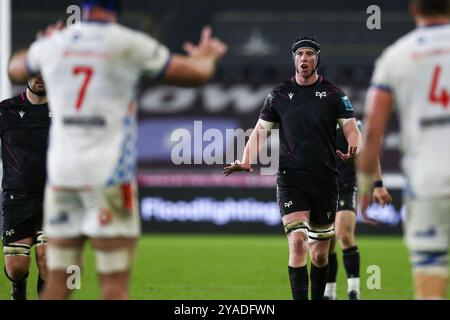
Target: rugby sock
pixel 40 284
pixel 330 288
pixel 351 264
pixel 19 287
pixel 318 281
pixel 299 282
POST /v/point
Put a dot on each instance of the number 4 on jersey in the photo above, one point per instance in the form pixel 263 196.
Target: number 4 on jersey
pixel 442 98
pixel 88 71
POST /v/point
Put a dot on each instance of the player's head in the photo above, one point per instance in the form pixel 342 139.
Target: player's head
pixel 36 85
pixel 112 6
pixel 430 8
pixel 306 53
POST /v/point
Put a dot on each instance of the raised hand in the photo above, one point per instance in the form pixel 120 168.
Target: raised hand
pixel 236 167
pixel 207 47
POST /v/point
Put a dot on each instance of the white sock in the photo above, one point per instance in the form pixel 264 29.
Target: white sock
pixel 330 290
pixel 353 285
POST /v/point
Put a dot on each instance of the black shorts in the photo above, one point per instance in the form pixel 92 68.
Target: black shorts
pixel 22 216
pixel 317 197
pixel 347 197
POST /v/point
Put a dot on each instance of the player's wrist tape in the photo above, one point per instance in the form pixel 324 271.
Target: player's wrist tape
pixel 364 183
pixel 378 184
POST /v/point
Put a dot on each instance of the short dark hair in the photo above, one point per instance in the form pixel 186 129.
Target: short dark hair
pixel 432 7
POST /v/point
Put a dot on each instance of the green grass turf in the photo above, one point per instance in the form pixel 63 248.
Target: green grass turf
pixel 235 267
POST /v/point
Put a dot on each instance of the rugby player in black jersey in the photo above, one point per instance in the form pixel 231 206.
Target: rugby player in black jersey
pixel 345 223
pixel 24 125
pixel 307 109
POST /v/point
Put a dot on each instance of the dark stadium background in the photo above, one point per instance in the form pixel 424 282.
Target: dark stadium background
pixel 259 34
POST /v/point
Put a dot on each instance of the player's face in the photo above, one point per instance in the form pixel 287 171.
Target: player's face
pixel 305 62
pixel 37 85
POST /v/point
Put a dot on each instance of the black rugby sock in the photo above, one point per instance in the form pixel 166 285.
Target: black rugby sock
pixel 318 281
pixel 351 261
pixel 332 268
pixel 299 282
pixel 40 285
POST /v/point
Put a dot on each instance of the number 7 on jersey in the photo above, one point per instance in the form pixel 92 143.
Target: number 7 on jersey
pixel 88 72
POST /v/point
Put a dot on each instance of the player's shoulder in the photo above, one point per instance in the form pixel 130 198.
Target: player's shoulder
pixel 329 86
pixel 406 43
pixel 13 102
pixel 283 88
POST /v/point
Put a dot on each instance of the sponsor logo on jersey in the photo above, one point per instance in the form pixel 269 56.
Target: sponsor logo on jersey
pixel 288 204
pixel 431 232
pixel 348 105
pixel 21 114
pixel 61 218
pixel 290 94
pixel 321 94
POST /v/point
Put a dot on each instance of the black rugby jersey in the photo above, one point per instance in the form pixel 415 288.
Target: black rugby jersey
pixel 347 170
pixel 307 118
pixel 24 140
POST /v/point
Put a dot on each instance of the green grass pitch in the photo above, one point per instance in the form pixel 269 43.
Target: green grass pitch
pixel 235 267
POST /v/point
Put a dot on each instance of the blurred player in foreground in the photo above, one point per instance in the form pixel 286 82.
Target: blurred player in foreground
pixel 414 75
pixel 345 223
pixel 24 125
pixel 307 109
pixel 90 70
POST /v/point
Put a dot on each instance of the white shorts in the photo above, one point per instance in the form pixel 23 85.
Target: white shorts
pixel 104 212
pixel 427 225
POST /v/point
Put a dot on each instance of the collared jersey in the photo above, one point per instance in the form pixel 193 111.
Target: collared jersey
pixel 90 70
pixel 307 118
pixel 24 137
pixel 416 70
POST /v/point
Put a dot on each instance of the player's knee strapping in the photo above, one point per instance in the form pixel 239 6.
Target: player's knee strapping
pixel 60 258
pixel 319 234
pixel 296 226
pixel 112 261
pixel 430 263
pixel 41 238
pixel 16 249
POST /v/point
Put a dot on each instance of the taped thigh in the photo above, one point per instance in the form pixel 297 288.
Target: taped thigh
pixel 297 226
pixel 111 261
pixel 320 234
pixel 16 249
pixel 60 258
pixel 430 263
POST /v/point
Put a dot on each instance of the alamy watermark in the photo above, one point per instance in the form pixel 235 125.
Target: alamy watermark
pixel 73 281
pixel 373 22
pixel 213 146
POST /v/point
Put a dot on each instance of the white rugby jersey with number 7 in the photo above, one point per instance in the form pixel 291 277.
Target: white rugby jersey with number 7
pixel 416 70
pixel 90 70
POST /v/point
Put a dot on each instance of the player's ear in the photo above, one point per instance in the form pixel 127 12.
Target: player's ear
pixel 413 8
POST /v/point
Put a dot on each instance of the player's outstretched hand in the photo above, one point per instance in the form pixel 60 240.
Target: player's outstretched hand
pixel 363 203
pixel 381 196
pixel 208 46
pixel 350 155
pixel 52 28
pixel 236 167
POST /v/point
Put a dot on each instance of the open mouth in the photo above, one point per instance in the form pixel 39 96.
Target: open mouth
pixel 303 66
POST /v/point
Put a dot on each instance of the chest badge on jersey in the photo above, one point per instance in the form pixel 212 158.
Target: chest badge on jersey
pixel 290 95
pixel 21 114
pixel 321 94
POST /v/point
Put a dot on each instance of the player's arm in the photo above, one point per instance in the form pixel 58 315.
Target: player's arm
pixel 17 70
pixel 380 194
pixel 256 141
pixel 199 65
pixel 353 136
pixel 378 108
